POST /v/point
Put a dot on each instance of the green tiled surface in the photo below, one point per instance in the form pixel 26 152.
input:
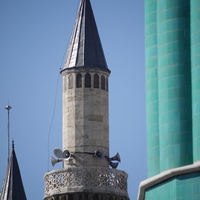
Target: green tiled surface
pixel 152 87
pixel 184 187
pixel 195 68
pixel 172 40
pixel 168 83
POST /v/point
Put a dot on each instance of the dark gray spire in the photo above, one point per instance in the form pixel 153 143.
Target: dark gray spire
pixel 13 188
pixel 85 49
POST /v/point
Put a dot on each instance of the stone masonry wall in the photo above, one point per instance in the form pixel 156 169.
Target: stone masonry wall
pixel 85 118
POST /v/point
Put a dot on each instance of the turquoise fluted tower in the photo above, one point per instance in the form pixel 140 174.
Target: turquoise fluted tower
pixel 174 83
pixel 172 43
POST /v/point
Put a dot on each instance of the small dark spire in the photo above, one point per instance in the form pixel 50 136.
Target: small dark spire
pixel 13 188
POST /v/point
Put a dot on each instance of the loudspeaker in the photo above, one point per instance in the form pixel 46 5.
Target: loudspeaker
pixel 66 155
pixel 114 165
pixel 58 153
pixel 98 154
pixel 54 161
pixel 116 157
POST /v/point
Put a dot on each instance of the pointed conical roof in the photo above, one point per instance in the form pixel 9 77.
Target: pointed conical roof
pixel 85 49
pixel 13 188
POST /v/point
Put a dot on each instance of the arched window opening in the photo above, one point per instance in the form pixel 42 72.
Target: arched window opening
pixel 103 82
pixel 79 80
pixel 96 81
pixel 88 80
pixel 107 86
pixel 70 82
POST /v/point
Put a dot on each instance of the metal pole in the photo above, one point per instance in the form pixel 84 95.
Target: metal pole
pixel 8 109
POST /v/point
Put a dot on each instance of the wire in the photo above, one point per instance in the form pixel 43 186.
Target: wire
pixel 54 108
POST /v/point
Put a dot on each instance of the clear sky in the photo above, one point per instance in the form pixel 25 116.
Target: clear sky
pixel 34 36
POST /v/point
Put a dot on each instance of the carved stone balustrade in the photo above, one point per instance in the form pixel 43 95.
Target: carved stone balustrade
pixel 91 180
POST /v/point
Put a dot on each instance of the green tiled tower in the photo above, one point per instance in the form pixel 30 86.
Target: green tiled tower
pixel 172 40
pixel 174 83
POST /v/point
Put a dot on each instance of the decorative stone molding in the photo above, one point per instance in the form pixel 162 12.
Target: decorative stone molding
pixel 91 180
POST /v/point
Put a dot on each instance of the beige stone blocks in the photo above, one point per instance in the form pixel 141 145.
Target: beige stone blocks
pixel 85 116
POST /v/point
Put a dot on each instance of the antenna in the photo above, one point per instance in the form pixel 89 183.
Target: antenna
pixel 8 109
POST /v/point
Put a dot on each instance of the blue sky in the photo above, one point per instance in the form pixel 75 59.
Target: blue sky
pixel 34 37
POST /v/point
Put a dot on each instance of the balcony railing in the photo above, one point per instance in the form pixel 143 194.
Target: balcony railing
pixel 86 179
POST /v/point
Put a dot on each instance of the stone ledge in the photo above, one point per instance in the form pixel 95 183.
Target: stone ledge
pixel 163 176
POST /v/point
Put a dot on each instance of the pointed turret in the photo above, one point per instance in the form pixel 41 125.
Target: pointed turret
pixel 85 49
pixel 13 188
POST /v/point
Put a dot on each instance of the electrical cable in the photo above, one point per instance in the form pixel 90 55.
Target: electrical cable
pixel 54 108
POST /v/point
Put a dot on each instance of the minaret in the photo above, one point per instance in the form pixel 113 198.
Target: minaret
pixel 85 92
pixel 89 172
pixel 13 188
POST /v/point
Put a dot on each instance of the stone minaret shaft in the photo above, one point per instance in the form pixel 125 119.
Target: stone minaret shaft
pixel 85 115
pixel 86 175
pixel 85 92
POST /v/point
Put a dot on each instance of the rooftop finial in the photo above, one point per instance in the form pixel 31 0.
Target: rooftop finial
pixel 8 107
pixel 13 144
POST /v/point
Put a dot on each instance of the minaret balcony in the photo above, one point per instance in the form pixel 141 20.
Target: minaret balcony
pixel 91 180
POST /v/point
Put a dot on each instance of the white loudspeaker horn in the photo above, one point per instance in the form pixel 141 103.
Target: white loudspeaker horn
pixel 66 155
pixel 54 161
pixel 58 153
